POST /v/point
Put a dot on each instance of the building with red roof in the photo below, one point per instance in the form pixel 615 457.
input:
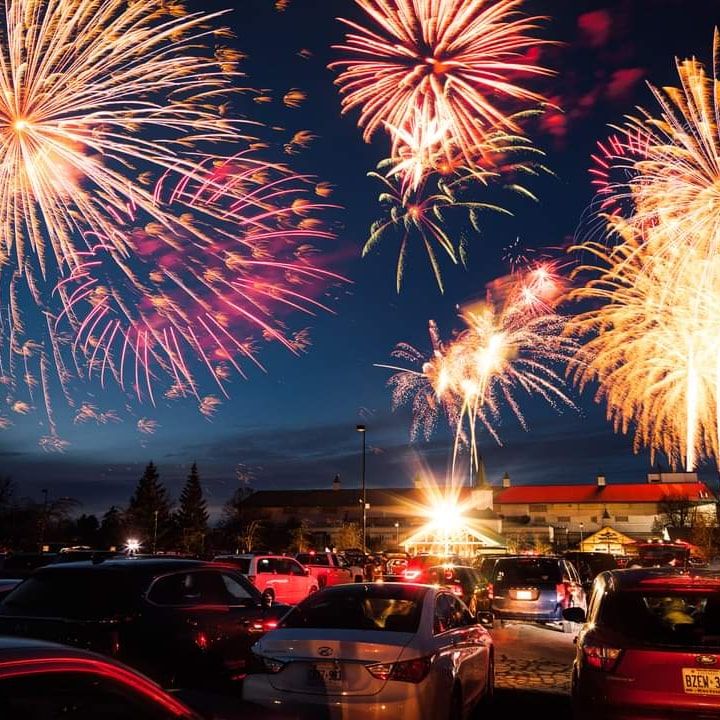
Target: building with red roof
pixel 573 511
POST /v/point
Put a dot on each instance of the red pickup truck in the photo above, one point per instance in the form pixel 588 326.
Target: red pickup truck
pixel 329 568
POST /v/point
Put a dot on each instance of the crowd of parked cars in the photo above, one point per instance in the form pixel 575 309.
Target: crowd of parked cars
pixel 80 636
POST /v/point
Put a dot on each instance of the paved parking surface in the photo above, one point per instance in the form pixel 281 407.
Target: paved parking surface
pixel 533 657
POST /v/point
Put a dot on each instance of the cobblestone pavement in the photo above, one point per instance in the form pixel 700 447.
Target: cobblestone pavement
pixel 529 657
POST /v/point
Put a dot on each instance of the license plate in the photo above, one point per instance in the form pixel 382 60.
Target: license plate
pixel 328 675
pixel 701 682
pixel 524 595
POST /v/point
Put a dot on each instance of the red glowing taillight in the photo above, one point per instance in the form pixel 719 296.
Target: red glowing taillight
pixel 201 640
pixel 412 671
pixel 601 657
pixel 490 591
pixel 563 591
pixel 411 574
pixel 270 625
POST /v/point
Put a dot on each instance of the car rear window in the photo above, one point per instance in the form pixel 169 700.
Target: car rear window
pixel 241 563
pixel 376 607
pixel 664 618
pixel 307 559
pixel 84 594
pixel 527 571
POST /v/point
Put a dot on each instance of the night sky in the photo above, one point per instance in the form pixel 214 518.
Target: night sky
pixel 295 425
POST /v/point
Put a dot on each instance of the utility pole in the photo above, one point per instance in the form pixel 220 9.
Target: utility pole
pixel 362 430
pixel 154 547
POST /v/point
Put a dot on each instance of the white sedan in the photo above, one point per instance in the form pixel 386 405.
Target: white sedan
pixel 391 650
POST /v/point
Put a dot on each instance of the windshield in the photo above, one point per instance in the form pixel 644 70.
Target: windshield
pixel 392 609
pixel 308 559
pixel 664 618
pixel 85 594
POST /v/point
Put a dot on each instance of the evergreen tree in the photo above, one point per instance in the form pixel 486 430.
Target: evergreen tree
pixel 192 516
pixel 150 497
pixel 111 529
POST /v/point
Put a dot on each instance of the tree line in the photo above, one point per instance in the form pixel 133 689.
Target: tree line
pixel 155 521
pixel 150 517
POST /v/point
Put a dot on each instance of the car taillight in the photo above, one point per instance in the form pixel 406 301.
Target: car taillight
pixel 272 665
pixel 412 671
pixel 563 591
pixel 252 578
pixel 411 574
pixel 601 657
pixel 457 590
pixel 490 591
pixel 269 625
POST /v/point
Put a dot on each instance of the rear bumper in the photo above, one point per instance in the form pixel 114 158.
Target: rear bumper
pixel 552 616
pixel 394 702
pixel 600 698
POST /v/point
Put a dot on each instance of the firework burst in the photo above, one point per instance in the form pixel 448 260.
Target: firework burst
pixel 651 341
pixel 439 64
pixel 509 345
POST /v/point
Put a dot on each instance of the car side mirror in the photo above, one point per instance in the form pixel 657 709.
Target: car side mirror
pixel 574 614
pixel 485 618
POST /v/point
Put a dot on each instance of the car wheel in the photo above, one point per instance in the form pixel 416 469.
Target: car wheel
pixel 456 706
pixel 269 595
pixel 490 687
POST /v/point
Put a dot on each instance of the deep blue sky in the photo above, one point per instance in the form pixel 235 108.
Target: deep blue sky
pixel 294 426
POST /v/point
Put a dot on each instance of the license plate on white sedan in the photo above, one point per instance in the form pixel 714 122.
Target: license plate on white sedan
pixel 328 675
pixel 701 682
pixel 524 595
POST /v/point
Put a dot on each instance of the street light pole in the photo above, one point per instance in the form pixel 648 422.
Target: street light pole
pixel 397 533
pixel 362 429
pixel 155 533
pixel 43 526
pixel 582 526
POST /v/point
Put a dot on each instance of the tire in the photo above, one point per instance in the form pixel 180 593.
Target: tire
pixel 490 688
pixel 359 579
pixel 456 706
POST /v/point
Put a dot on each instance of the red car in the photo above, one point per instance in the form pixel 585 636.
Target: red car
pixel 650 646
pixel 40 680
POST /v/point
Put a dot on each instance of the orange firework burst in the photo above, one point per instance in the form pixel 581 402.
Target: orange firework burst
pixel 512 342
pixel 440 65
pixel 652 345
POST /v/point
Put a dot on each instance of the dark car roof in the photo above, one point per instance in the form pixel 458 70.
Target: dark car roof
pixel 659 578
pixel 147 566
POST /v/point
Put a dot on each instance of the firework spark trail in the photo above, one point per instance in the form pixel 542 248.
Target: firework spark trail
pixel 439 64
pixel 651 345
pixel 88 92
pixel 201 302
pixel 144 250
pixel 508 345
pixel 416 207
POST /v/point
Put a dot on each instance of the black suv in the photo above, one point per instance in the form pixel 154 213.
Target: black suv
pixel 590 564
pixel 535 588
pixel 183 622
